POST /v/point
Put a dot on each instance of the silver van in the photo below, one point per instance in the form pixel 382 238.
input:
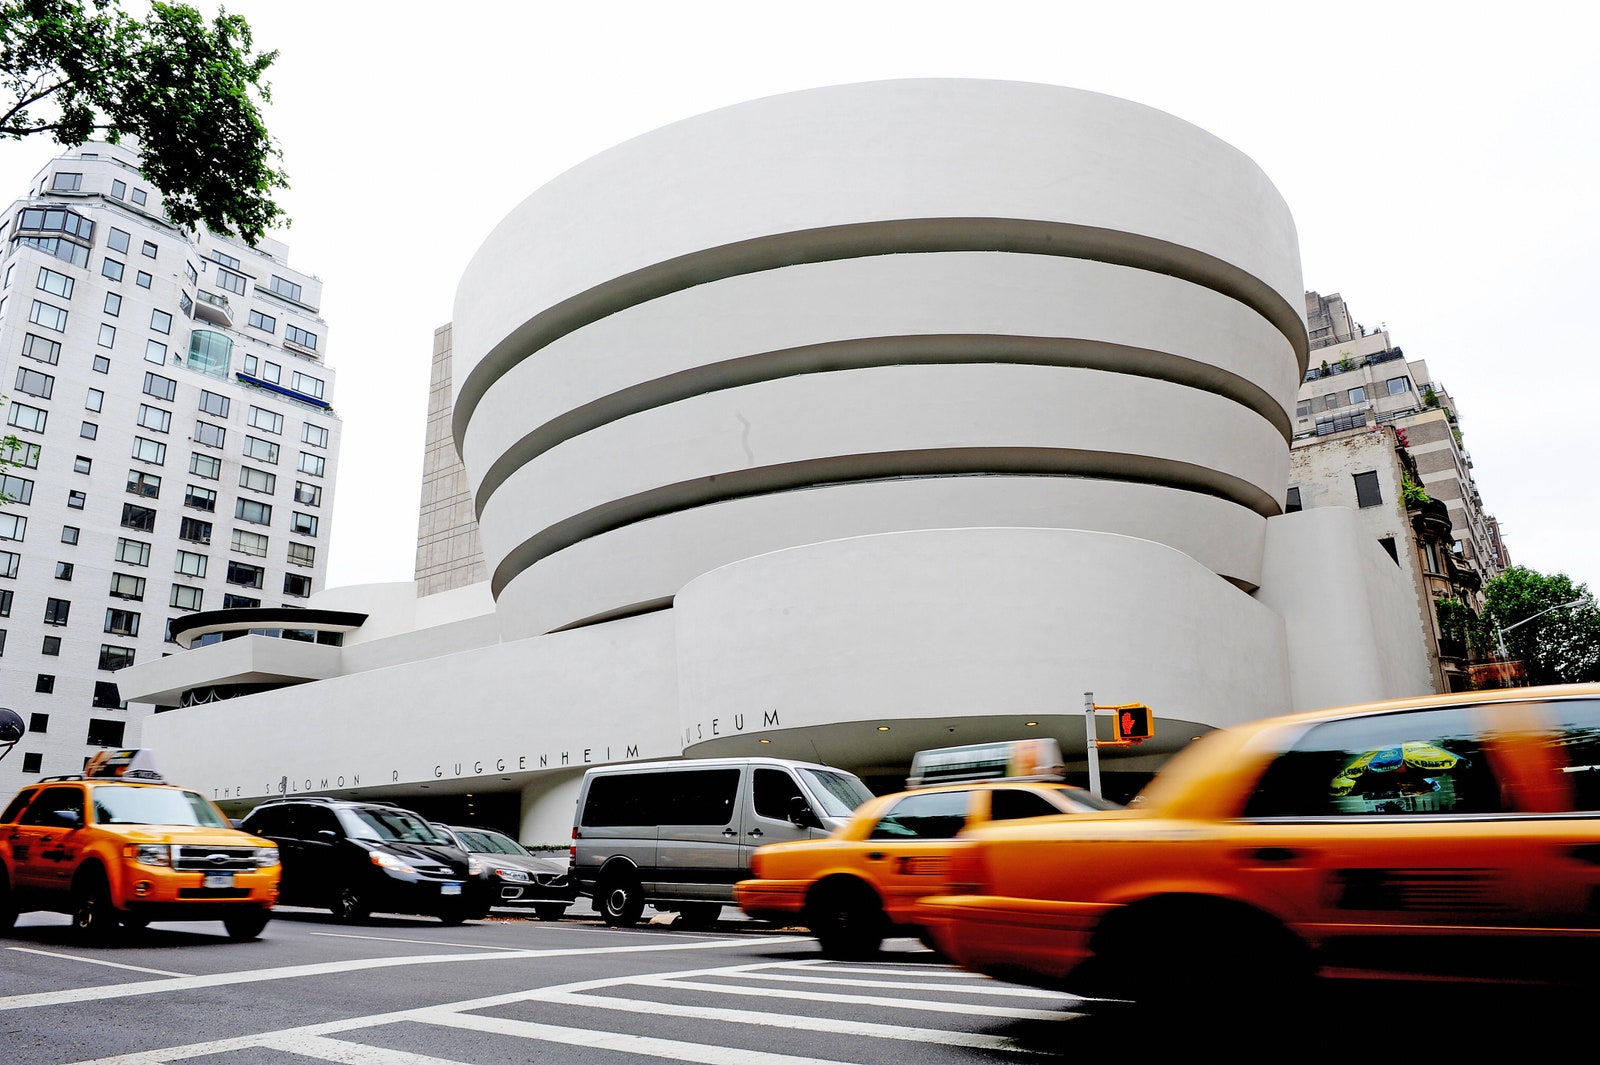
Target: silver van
pixel 678 835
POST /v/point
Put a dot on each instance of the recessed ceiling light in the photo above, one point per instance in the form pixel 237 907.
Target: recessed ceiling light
pixel 766 741
pixel 1030 724
pixel 883 728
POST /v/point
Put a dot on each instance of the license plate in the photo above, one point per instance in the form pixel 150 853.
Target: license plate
pixel 219 880
pixel 450 889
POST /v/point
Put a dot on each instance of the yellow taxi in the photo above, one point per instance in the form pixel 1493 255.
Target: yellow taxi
pixel 118 845
pixel 860 883
pixel 1443 838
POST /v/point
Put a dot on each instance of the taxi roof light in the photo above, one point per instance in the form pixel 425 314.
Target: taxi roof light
pixel 1032 759
pixel 135 764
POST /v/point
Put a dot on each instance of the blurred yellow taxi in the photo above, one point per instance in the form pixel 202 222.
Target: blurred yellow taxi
pixel 1450 837
pixel 859 884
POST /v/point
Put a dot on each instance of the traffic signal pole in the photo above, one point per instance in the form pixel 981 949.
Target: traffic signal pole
pixel 1093 742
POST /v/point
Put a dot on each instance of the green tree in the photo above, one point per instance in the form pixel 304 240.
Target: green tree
pixel 185 91
pixel 1558 647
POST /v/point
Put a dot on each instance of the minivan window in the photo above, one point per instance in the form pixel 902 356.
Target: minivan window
pixel 774 789
pixel 670 797
pixel 839 793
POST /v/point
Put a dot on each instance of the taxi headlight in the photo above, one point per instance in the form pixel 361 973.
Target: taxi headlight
pixel 149 853
pixel 389 863
pixel 266 857
pixel 518 875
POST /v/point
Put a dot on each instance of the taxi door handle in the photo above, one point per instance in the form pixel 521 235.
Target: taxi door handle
pixel 1589 853
pixel 876 856
pixel 1275 854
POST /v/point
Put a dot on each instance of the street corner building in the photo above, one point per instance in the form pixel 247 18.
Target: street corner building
pixel 836 425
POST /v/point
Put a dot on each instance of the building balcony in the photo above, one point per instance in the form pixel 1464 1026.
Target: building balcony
pixel 210 307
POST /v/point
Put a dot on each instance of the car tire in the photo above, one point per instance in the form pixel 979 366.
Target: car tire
pixel 699 914
pixel 550 911
pixel 136 923
pixel 457 915
pixel 349 905
pixel 243 926
pixel 8 907
pixel 93 916
pixel 847 919
pixel 621 900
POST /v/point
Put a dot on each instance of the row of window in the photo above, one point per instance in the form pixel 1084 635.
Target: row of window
pixel 1395 386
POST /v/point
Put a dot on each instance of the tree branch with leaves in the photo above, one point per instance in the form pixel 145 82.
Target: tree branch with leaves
pixel 186 91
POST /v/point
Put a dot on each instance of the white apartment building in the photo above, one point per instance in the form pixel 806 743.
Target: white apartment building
pixel 179 444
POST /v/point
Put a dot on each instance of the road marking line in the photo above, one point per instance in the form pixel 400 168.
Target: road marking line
pixel 190 983
pixel 417 942
pixel 897 985
pixel 863 1000
pixel 97 961
pixel 347 1053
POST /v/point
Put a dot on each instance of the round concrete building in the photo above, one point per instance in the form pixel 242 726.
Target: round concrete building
pixel 858 420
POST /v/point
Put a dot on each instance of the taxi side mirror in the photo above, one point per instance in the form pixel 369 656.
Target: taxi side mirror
pixel 68 818
pixel 800 813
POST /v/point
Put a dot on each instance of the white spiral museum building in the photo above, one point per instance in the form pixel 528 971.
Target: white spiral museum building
pixel 836 425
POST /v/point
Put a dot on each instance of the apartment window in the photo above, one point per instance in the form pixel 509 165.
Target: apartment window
pixel 297 585
pixel 137 517
pixel 113 658
pixel 224 258
pixel 112 269
pixel 5 604
pixel 25 417
pixel 232 282
pixel 41 348
pixel 13 527
pixel 200 498
pixel 158 419
pixel 119 189
pixel 269 420
pixel 252 511
pixel 56 611
pixel 191 563
pixel 142 280
pixel 1388 544
pixel 94 400
pixel 113 305
pixel 264 322
pixel 1399 386
pixel 50 648
pixel 107 339
pixel 209 435
pixel 161 321
pixel 293 334
pixel 237 602
pixel 75 500
pixel 8 563
pixel 160 387
pixel 48 316
pixel 127 586
pixel 63 571
pixel 133 552
pixel 1367 492
pixel 305 383
pixel 107 697
pixel 257 480
pixel 69 534
pixel 210 352
pixel 144 484
pixel 302 555
pixel 195 530
pixel 286 289
pixel 261 450
pixel 66 183
pixel 302 524
pixel 152 451
pixel 213 404
pixel 54 283
pixel 117 240
pixel 187 598
pixel 3 650
pixel 312 464
pixel 39 723
pixel 315 435
pixel 138 198
pixel 156 352
pixel 24 456
pixel 88 430
pixel 1357 395
pixel 82 464
pixel 102 364
pixel 122 622
pixel 34 383
pixel 249 543
pixel 207 466
pixel 44 683
pixel 14 489
pixel 149 250
pixel 308 494
pixel 189 272
pixel 246 575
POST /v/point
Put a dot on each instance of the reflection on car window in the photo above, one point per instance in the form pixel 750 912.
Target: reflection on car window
pixel 392 826
pixel 839 794
pixel 1008 804
pixel 1577 738
pixel 123 805
pixel 484 842
pixel 1419 762
pixel 50 800
pixel 935 815
pixel 1082 798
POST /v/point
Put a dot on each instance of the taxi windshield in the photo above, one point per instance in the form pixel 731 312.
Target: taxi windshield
pixel 839 793
pixel 123 804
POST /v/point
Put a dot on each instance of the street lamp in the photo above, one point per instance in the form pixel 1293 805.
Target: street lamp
pixel 1500 634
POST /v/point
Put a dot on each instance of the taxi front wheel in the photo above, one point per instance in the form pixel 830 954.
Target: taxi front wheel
pixel 93 915
pixel 847 920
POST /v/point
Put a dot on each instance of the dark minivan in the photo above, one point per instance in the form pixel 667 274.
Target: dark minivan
pixel 359 858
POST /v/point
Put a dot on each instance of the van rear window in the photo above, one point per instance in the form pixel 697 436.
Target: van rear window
pixel 671 797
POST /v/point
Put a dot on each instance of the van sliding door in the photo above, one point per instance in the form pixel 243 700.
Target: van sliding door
pixel 697 841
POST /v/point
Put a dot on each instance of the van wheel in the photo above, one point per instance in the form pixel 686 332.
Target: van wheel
pixel 847 920
pixel 621 901
pixel 243 926
pixel 348 905
pixel 93 916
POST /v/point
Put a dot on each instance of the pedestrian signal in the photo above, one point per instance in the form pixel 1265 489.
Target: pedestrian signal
pixel 1132 724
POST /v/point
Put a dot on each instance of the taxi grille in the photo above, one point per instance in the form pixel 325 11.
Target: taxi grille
pixel 213 859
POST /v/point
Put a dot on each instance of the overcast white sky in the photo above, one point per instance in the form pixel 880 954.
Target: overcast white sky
pixel 1442 162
